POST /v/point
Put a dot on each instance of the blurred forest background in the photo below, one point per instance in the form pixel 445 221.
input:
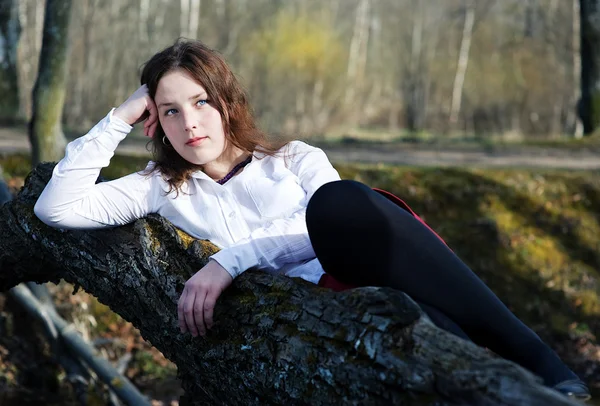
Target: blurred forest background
pixel 473 68
pixel 384 70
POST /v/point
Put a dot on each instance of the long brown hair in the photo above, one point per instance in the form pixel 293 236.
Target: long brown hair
pixel 227 95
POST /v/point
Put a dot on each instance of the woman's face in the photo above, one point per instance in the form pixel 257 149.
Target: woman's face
pixel 189 119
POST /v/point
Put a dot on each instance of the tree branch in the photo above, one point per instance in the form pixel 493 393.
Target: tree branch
pixel 276 340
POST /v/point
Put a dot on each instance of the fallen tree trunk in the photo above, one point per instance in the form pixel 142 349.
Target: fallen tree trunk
pixel 276 340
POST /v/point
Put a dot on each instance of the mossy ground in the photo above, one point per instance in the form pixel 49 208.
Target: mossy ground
pixel 532 235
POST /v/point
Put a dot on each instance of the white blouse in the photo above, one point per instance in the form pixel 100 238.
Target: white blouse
pixel 257 218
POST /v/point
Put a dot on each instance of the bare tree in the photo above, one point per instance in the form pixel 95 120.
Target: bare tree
pixel 194 18
pixel 413 79
pixel 574 121
pixel 463 60
pixel 589 106
pixel 144 12
pixel 45 129
pixel 189 18
pixel 357 60
pixel 184 15
pixel 10 32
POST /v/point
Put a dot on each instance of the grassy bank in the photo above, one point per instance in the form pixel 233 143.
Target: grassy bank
pixel 532 236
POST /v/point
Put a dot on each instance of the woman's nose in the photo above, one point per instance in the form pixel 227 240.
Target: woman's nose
pixel 190 122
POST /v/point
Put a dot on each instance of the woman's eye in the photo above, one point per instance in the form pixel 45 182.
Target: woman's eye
pixel 201 102
pixel 170 112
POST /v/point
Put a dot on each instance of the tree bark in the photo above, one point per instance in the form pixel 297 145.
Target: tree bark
pixel 10 32
pixel 589 107
pixel 276 340
pixel 45 129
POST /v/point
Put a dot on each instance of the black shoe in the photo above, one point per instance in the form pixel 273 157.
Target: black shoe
pixel 574 388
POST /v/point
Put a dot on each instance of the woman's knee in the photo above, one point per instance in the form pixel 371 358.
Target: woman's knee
pixel 333 200
pixel 333 193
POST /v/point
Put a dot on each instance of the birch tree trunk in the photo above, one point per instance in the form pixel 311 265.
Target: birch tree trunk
pixel 357 59
pixel 84 63
pixel 45 129
pixel 463 61
pixel 184 18
pixel 412 80
pixel 194 18
pixel 189 18
pixel 144 13
pixel 40 7
pixel 10 32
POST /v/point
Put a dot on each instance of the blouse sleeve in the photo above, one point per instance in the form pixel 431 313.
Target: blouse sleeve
pixel 284 240
pixel 72 199
pixel 312 167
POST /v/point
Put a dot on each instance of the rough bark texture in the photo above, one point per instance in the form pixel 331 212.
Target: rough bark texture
pixel 276 340
pixel 45 129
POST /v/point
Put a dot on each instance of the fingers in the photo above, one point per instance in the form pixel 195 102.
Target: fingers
pixel 152 129
pixel 199 326
pixel 209 307
pixel 194 306
pixel 188 313
pixel 197 302
pixel 152 121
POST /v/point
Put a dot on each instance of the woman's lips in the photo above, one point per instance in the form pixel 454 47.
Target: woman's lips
pixel 195 141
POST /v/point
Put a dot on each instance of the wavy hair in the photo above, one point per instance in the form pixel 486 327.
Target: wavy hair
pixel 210 70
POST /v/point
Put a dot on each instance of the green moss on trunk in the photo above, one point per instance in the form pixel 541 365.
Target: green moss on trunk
pixel 45 130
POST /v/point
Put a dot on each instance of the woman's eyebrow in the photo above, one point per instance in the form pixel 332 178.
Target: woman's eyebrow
pixel 191 98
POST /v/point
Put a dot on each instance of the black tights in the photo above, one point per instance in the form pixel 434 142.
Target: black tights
pixel 362 238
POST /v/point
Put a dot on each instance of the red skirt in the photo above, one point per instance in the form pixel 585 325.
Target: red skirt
pixel 328 281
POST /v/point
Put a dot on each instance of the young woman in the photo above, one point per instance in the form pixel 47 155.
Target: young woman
pixel 281 208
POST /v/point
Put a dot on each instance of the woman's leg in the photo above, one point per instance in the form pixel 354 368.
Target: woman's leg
pixel 441 320
pixel 362 238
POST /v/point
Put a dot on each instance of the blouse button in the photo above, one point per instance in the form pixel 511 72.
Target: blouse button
pixel 232 215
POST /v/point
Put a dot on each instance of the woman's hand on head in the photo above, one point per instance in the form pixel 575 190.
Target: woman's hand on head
pixel 137 108
pixel 197 301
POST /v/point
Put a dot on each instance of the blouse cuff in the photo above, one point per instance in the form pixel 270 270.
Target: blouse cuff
pixel 236 259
